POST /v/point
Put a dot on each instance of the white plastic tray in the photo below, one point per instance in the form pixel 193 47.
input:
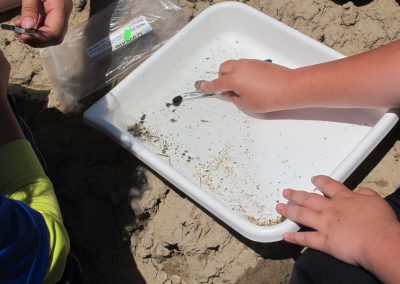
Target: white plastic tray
pixel 234 164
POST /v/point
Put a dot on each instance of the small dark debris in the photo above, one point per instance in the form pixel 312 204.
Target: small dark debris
pixel 144 216
pixel 172 247
pixel 216 248
pixel 138 130
pixel 81 5
pixel 177 100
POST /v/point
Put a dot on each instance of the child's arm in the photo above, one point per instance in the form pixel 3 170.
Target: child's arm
pixel 9 126
pixel 359 227
pixel 25 191
pixel 23 180
pixel 369 79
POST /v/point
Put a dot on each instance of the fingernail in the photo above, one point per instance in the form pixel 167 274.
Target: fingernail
pixel 313 179
pixel 203 85
pixel 278 208
pixel 285 192
pixel 198 83
pixel 286 236
pixel 27 23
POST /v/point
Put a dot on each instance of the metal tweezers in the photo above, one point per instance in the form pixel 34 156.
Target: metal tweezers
pixel 192 95
pixel 18 30
pixel 199 94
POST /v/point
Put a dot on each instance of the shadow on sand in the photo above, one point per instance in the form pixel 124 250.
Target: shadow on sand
pixel 94 180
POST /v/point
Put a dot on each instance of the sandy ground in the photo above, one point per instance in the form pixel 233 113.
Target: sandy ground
pixel 128 226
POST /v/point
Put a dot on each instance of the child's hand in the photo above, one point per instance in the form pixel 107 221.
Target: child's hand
pixel 254 85
pixel 351 226
pixel 50 17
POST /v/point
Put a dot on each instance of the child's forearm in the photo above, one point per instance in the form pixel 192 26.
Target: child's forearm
pixel 9 4
pixel 370 79
pixel 382 256
pixel 9 126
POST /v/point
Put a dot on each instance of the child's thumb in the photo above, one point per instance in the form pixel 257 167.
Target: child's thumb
pixel 216 85
pixel 29 13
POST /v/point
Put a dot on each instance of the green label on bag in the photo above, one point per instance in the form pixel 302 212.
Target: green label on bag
pixel 127 34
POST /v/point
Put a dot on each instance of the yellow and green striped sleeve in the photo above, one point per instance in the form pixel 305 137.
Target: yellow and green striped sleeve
pixel 22 178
